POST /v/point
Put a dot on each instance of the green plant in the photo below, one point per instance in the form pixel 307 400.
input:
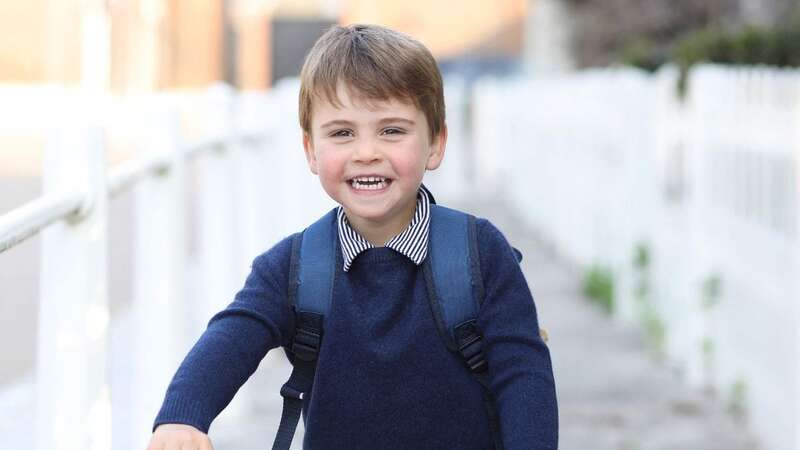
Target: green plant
pixel 641 290
pixel 598 285
pixel 654 329
pixel 737 402
pixel 711 292
pixel 642 53
pixel 641 256
pixel 653 326
pixel 750 45
pixel 641 261
pixel 707 346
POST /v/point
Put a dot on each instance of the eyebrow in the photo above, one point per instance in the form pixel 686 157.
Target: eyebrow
pixel 347 123
pixel 336 123
pixel 396 119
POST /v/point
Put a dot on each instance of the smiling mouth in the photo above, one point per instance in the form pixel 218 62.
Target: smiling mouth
pixel 369 183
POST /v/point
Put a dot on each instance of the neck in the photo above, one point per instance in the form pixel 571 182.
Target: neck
pixel 379 233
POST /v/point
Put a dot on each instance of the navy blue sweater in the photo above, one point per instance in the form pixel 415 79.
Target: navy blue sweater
pixel 385 379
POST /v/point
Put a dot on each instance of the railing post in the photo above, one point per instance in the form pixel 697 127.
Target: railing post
pixel 220 266
pixel 697 217
pixel 251 167
pixel 73 397
pixel 449 181
pixel 262 114
pixel 159 297
pixel 669 258
pixel 218 263
pixel 302 203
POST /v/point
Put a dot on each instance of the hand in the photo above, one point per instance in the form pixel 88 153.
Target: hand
pixel 176 436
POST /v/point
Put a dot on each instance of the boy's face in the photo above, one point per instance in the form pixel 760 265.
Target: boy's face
pixel 387 140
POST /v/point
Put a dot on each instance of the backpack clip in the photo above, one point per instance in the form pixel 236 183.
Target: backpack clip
pixel 470 346
pixel 305 345
pixel 307 336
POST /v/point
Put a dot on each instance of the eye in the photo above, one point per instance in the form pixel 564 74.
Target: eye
pixel 393 130
pixel 342 133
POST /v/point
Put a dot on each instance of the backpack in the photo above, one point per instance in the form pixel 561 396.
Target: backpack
pixel 455 290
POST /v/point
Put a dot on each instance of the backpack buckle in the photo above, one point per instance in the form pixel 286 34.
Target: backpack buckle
pixel 470 346
pixel 472 352
pixel 305 345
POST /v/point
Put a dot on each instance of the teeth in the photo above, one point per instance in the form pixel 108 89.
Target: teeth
pixel 369 183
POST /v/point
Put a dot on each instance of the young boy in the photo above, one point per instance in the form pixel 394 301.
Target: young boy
pixel 372 114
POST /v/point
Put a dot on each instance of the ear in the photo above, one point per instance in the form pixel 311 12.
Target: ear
pixel 437 147
pixel 308 147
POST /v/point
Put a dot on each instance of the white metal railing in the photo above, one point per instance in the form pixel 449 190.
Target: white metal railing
pixel 602 161
pixel 28 220
pixel 31 218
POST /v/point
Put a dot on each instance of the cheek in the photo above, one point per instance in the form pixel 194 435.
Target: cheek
pixel 411 161
pixel 330 166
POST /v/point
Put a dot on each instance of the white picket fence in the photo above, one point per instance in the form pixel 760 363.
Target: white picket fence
pixel 604 161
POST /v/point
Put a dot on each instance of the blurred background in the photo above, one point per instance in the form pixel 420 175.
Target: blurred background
pixel 643 154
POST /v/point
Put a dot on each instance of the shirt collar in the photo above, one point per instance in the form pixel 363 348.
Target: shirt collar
pixel 412 242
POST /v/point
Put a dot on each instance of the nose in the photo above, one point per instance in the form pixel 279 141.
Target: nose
pixel 366 151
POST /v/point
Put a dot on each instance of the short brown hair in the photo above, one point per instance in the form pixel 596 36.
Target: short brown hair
pixel 376 63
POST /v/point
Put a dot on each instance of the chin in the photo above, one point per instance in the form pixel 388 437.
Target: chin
pixel 368 213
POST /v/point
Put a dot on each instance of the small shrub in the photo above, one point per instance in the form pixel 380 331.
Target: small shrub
pixel 643 54
pixel 711 292
pixel 651 323
pixel 707 345
pixel 641 258
pixel 751 45
pixel 641 262
pixel 655 330
pixel 737 406
pixel 598 285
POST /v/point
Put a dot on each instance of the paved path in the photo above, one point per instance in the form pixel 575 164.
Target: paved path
pixel 612 394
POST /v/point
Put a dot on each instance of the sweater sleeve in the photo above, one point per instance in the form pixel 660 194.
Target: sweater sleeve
pixel 520 369
pixel 233 344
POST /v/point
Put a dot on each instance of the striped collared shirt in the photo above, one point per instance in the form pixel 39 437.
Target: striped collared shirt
pixel 412 242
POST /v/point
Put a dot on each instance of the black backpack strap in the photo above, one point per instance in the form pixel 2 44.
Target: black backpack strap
pixel 471 351
pixel 305 349
pixel 311 276
pixel 455 290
